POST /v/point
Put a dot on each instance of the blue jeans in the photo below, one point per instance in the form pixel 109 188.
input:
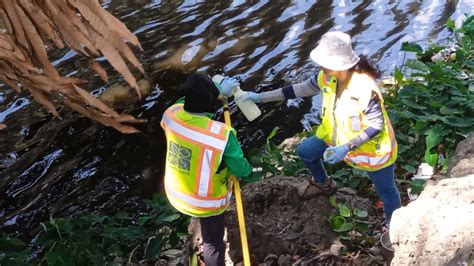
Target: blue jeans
pixel 311 153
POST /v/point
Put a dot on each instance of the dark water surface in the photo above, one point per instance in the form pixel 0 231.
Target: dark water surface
pixel 51 166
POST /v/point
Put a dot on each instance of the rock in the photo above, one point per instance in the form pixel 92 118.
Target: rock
pixel 296 263
pixel 336 249
pixel 172 253
pixel 462 162
pixel 347 190
pixel 271 258
pixel 437 57
pixel 161 262
pixel 437 228
pixel 378 259
pixel 374 251
pixel 289 144
pixel 292 236
pixel 284 260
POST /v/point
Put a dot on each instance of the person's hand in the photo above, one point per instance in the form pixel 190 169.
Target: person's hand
pixel 227 85
pixel 338 153
pixel 252 96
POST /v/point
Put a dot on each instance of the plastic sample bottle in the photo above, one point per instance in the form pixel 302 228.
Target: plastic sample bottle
pixel 327 153
pixel 247 107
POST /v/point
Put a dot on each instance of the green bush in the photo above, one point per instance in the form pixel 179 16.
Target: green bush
pixel 93 239
pixel 434 108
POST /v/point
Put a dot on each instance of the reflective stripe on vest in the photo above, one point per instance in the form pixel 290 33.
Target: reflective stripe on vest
pixel 203 204
pixel 376 161
pixel 200 136
pixel 334 131
pixel 196 192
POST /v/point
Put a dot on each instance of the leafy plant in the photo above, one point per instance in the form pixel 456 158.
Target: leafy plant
pixel 93 239
pixel 346 176
pixel 13 251
pixel 434 108
pixel 274 160
pixel 416 185
pixel 348 222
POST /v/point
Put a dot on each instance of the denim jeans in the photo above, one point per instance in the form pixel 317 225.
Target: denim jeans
pixel 311 153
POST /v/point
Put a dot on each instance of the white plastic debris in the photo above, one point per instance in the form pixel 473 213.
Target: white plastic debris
pixel 437 57
pixel 412 197
pixel 425 172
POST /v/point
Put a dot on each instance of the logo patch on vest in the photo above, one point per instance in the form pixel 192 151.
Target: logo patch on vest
pixel 180 156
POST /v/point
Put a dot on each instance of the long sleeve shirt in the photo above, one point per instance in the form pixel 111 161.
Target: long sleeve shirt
pixel 310 87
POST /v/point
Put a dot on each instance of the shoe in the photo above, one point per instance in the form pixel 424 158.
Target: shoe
pixel 313 189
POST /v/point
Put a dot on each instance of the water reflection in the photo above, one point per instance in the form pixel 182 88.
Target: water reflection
pixel 13 107
pixel 52 166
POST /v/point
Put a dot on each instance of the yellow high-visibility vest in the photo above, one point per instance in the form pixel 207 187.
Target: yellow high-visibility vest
pixel 343 120
pixel 195 146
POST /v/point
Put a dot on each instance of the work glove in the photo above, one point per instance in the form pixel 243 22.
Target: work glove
pixel 252 96
pixel 227 85
pixel 338 153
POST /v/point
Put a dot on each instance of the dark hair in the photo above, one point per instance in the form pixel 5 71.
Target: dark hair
pixel 364 66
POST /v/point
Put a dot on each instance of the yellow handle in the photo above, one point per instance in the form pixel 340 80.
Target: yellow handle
pixel 238 199
pixel 240 216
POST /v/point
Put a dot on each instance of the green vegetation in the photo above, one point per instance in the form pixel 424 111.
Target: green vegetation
pixel 275 160
pixel 434 108
pixel 348 221
pixel 431 107
pixel 93 239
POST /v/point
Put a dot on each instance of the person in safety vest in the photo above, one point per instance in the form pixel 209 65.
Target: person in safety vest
pixel 355 127
pixel 201 155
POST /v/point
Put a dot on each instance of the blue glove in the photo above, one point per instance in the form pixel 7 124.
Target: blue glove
pixel 338 153
pixel 227 85
pixel 252 96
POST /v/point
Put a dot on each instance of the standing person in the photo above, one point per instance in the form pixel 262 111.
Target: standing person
pixel 354 126
pixel 201 155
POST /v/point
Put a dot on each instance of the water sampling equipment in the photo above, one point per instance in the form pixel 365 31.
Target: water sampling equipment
pixel 247 107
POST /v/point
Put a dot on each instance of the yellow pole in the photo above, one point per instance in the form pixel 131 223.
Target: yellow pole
pixel 238 198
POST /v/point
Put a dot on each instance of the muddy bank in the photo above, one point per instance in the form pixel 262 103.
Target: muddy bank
pixel 285 227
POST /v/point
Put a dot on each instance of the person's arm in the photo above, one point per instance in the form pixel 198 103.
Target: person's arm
pixel 235 161
pixel 303 89
pixel 375 123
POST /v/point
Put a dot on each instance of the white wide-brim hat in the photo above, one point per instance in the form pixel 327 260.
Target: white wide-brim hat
pixel 334 51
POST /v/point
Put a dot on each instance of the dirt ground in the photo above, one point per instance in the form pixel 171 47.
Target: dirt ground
pixel 285 227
